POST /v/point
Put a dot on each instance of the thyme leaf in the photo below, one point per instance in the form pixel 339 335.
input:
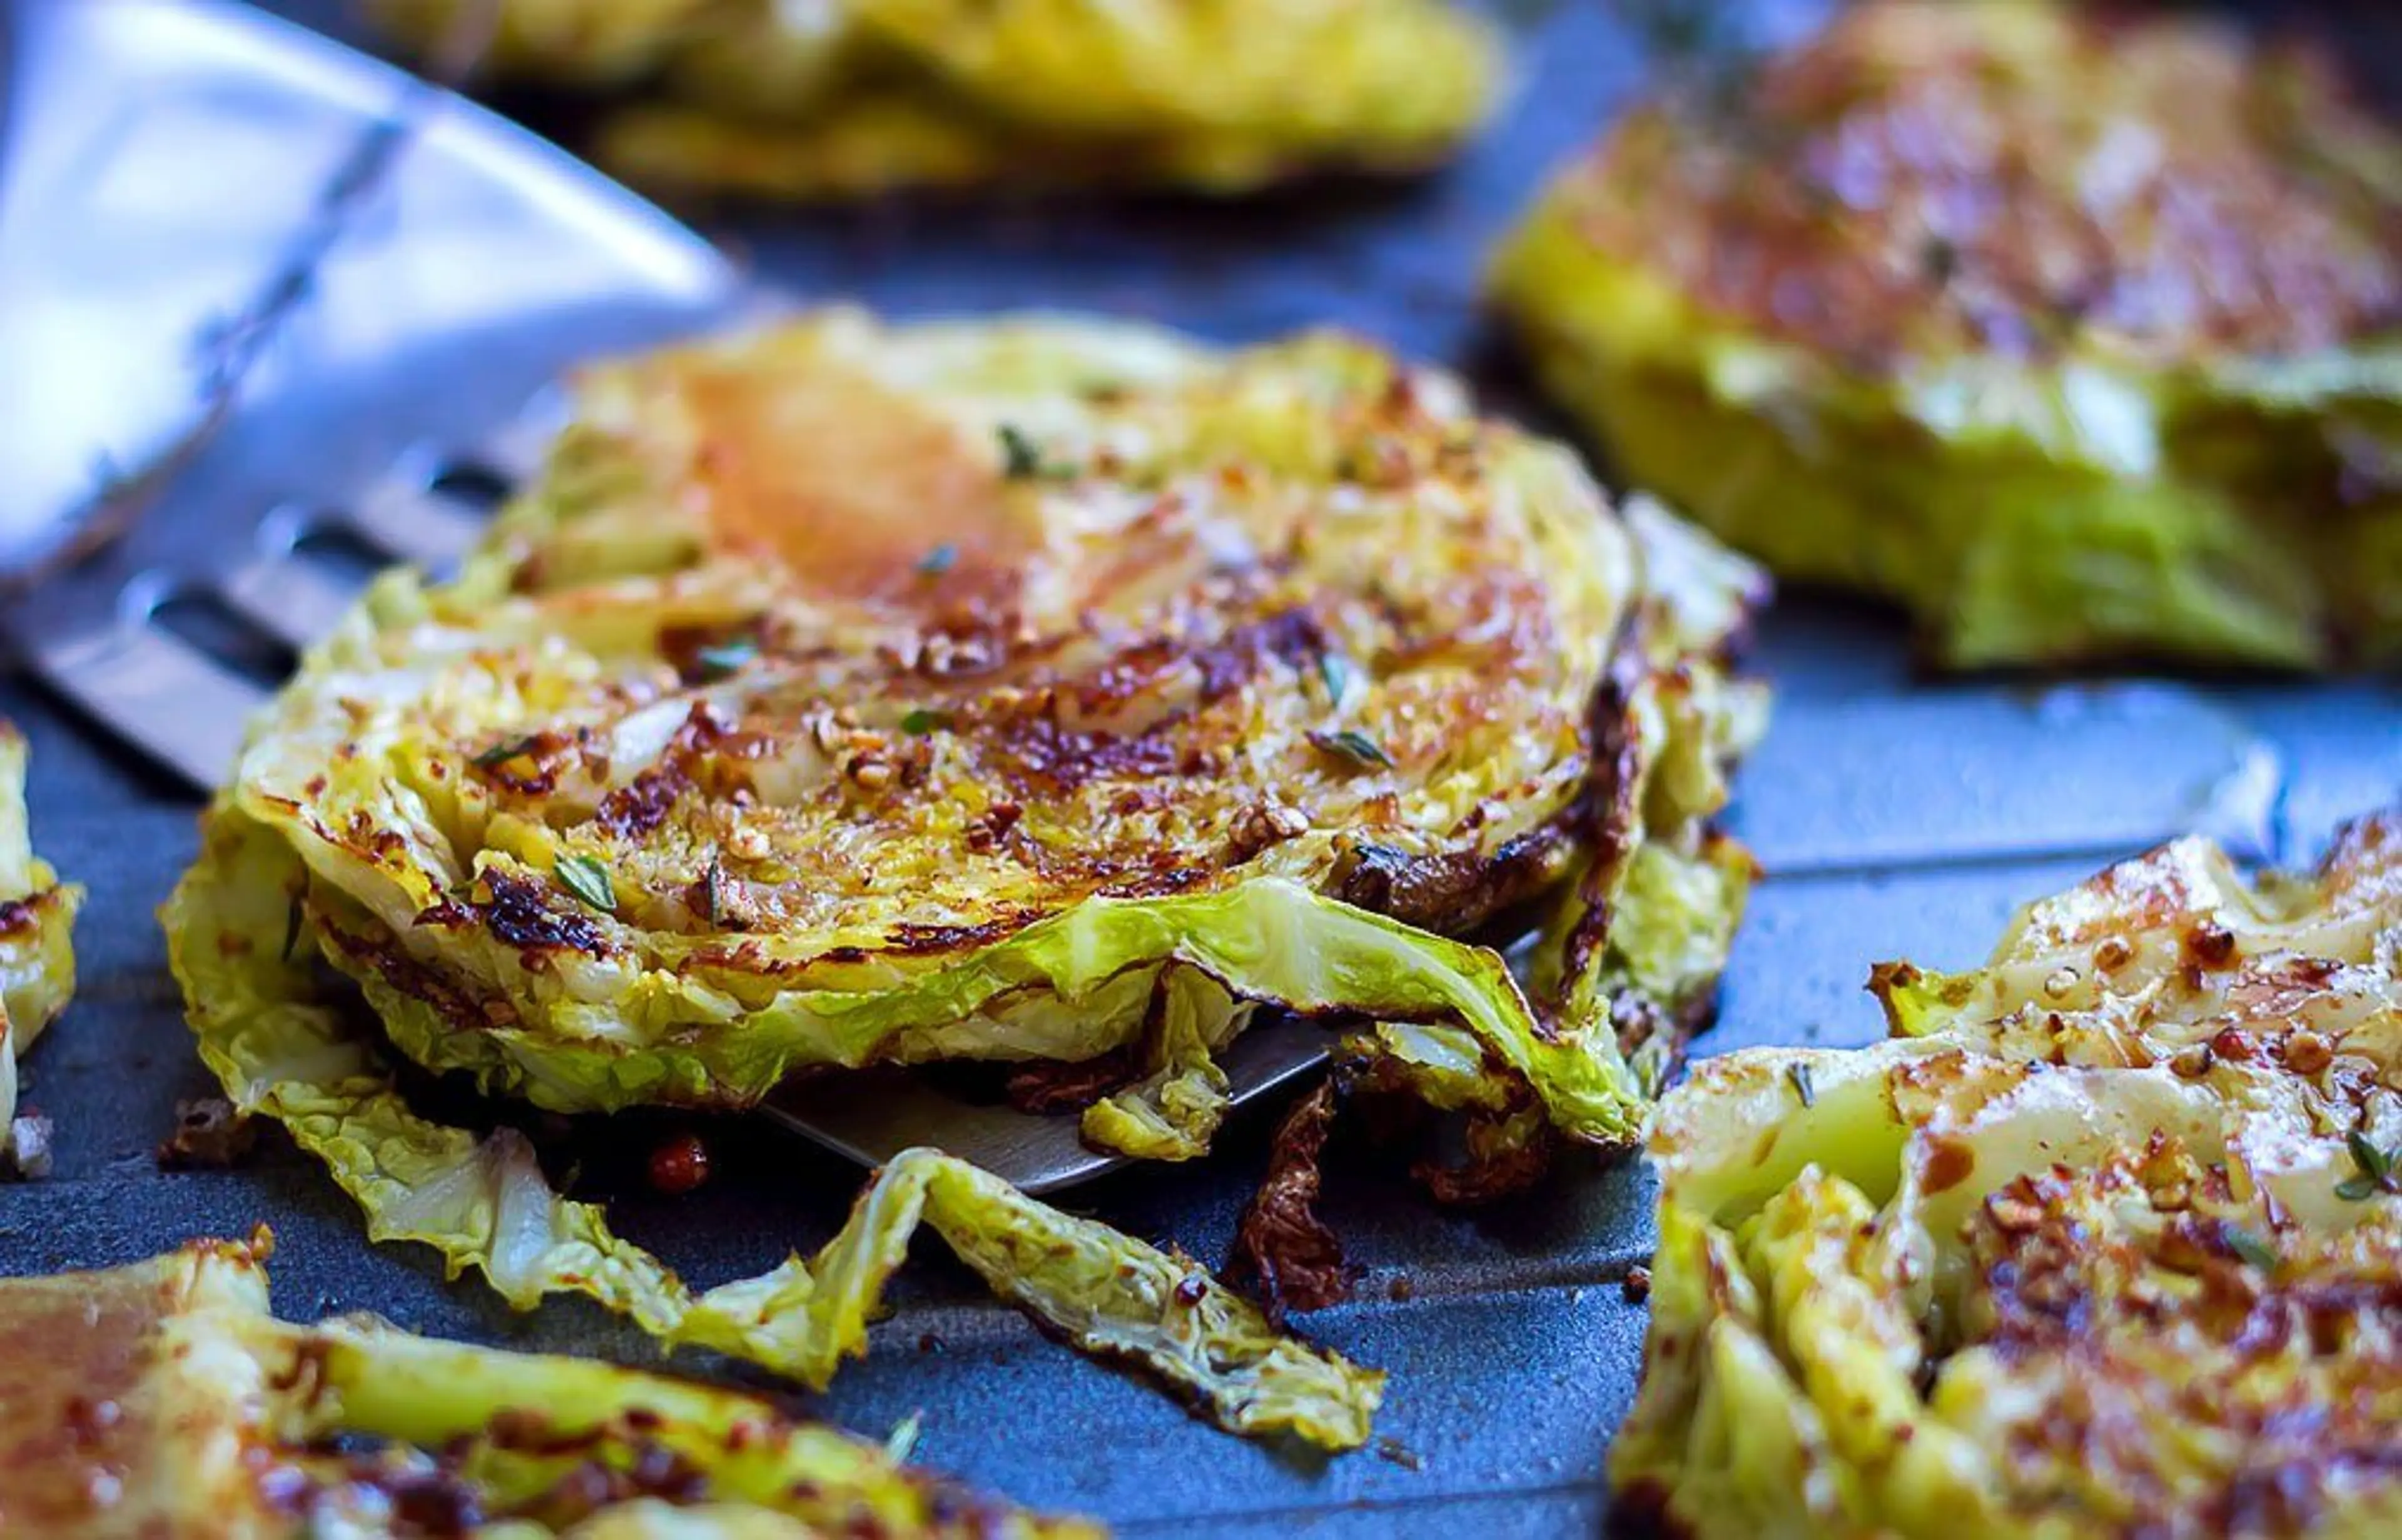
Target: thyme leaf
pixel 588 879
pixel 1335 672
pixel 725 659
pixel 2251 1247
pixel 1349 743
pixel 506 751
pixel 1021 457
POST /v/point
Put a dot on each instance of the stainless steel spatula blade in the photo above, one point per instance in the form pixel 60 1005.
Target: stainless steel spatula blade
pixel 275 313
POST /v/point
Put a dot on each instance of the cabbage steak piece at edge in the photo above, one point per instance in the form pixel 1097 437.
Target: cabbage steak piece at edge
pixel 2079 336
pixel 847 694
pixel 825 102
pixel 37 950
pixel 163 1398
pixel 2105 1241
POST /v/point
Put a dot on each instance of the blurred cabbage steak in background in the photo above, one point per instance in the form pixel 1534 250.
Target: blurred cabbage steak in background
pixel 828 98
pixel 2078 334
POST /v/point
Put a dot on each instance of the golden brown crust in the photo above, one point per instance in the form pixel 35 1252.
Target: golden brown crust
pixel 1923 180
pixel 126 1429
pixel 2141 1294
pixel 930 678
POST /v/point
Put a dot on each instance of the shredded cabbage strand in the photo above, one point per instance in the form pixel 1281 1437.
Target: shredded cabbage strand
pixel 285 1052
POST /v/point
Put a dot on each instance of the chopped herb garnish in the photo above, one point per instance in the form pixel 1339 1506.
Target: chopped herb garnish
pixel 2374 1169
pixel 709 894
pixel 921 722
pixel 1334 670
pixel 1351 744
pixel 587 878
pixel 506 751
pixel 1804 1086
pixel 940 560
pixel 2253 1249
pixel 903 1440
pixel 1021 457
pixel 725 659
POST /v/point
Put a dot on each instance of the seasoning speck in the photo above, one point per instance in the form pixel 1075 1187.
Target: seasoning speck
pixel 679 1164
pixel 1021 457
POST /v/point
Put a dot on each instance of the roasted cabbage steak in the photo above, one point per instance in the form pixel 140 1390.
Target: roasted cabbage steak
pixel 163 1399
pixel 1033 691
pixel 2076 333
pixel 2105 1241
pixel 837 99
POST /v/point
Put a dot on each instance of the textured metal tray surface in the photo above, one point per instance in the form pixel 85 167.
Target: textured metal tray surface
pixel 1897 819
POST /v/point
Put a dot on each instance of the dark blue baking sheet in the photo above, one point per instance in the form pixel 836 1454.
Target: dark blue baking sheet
pixel 1896 817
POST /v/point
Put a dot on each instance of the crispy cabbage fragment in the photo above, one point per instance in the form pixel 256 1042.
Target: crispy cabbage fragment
pixel 2106 1240
pixel 847 97
pixel 2076 336
pixel 163 1398
pixel 36 952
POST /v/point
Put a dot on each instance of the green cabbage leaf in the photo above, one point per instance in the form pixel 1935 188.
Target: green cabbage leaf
pixel 241 944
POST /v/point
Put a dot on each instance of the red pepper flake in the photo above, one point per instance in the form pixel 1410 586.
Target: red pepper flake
pixel 679 1164
pixel 2210 945
pixel 2230 1044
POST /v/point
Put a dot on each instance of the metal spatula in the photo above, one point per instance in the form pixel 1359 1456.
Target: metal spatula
pixel 274 314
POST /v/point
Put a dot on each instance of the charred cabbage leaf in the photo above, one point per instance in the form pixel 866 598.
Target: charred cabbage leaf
pixel 832 100
pixel 2078 337
pixel 163 1398
pixel 286 1051
pixel 36 952
pixel 2106 1240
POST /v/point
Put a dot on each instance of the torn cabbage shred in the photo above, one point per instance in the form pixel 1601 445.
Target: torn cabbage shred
pixel 485 1205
